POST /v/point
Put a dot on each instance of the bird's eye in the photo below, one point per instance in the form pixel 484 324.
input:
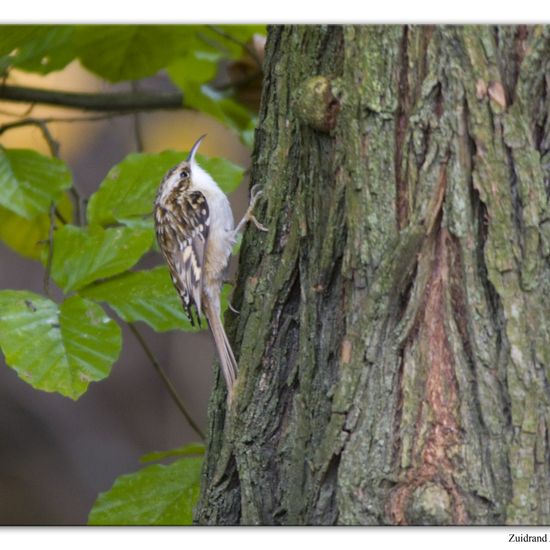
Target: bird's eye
pixel 184 174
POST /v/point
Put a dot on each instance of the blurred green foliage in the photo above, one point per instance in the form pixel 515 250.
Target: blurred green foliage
pixel 63 345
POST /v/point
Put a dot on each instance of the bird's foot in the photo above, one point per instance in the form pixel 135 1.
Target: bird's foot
pixel 255 194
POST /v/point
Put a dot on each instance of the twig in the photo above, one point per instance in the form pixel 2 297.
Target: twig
pixel 243 45
pixel 47 271
pixel 138 134
pixel 91 118
pixel 28 110
pixel 116 101
pixel 166 380
pixel 48 120
pixel 53 144
pixel 78 206
pixel 60 216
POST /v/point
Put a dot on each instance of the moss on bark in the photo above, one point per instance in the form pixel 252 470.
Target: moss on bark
pixel 393 340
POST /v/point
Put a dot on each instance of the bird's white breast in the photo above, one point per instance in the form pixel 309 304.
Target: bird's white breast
pixel 221 235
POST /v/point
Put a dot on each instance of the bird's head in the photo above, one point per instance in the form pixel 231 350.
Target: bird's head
pixel 186 168
pixel 180 177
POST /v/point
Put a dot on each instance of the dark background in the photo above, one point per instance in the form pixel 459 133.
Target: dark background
pixel 56 454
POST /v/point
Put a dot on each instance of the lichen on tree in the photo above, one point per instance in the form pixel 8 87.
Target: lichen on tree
pixel 393 340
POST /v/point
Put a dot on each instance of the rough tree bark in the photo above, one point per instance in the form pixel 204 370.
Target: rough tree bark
pixel 393 336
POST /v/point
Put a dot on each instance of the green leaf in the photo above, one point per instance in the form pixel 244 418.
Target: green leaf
pixel 200 66
pixel 14 36
pixel 29 181
pixel 187 450
pixel 192 73
pixel 227 289
pixel 82 255
pixel 29 237
pixel 147 296
pixel 127 193
pixel 36 48
pixel 125 52
pixel 202 97
pixel 154 495
pixel 57 348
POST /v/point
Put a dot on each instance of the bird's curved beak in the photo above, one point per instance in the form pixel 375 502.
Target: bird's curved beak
pixel 191 156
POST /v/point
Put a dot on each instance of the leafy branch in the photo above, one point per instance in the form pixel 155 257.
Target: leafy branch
pixel 54 146
pixel 139 337
pixel 94 246
pixel 114 102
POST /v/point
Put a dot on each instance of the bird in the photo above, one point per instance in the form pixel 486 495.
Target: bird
pixel 195 230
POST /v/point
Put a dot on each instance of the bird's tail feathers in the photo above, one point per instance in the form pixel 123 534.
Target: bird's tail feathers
pixel 225 353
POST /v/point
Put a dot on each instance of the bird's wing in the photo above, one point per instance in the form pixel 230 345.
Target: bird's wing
pixel 183 243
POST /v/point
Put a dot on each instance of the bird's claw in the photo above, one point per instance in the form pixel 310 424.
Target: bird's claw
pixel 255 193
pixel 234 310
pixel 259 225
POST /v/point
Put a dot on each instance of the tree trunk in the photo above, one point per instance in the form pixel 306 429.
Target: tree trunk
pixel 393 336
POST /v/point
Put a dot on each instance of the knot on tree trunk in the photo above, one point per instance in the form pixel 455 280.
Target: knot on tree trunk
pixel 316 104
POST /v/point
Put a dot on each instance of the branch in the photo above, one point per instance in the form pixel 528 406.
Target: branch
pixel 69 119
pixel 26 112
pixel 48 269
pixel 166 380
pixel 119 101
pixel 53 144
pixel 138 133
